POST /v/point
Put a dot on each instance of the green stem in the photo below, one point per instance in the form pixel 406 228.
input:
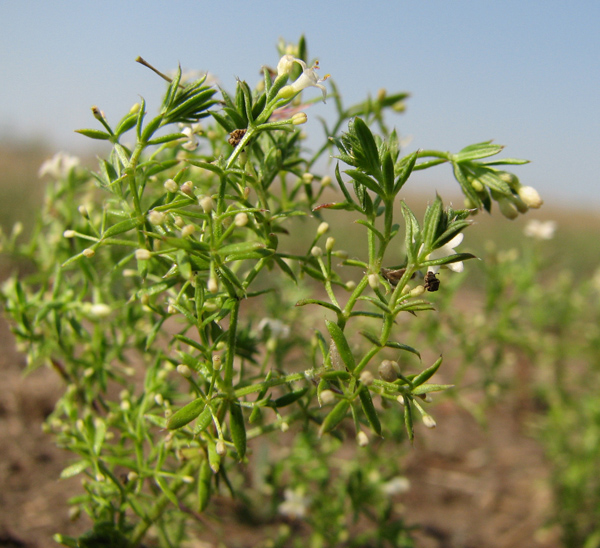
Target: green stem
pixel 231 343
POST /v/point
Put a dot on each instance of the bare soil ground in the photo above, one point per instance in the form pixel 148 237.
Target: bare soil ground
pixel 470 487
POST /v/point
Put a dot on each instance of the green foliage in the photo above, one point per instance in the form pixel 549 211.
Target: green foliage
pixel 150 275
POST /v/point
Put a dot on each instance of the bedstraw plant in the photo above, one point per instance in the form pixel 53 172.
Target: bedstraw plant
pixel 146 282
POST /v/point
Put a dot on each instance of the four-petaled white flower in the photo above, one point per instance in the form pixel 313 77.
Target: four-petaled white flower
pixel 59 166
pixel 295 504
pixel 191 133
pixel 308 78
pixel 445 251
pixel 540 230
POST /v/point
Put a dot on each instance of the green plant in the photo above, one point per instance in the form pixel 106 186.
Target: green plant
pixel 151 276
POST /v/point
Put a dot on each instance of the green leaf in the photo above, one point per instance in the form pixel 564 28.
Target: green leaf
pixel 370 162
pixel 341 344
pixel 94 134
pixel 427 388
pixel 400 346
pixel 427 373
pixel 166 139
pixel 369 409
pixel 290 398
pixel 406 165
pixel 412 230
pixel 477 151
pixel 164 487
pixel 74 469
pixel 408 419
pixel 447 260
pixel 335 416
pixel 237 427
pixel 431 222
pixel 186 414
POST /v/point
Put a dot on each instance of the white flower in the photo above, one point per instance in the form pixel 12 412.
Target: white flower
pixel 277 329
pixel 295 504
pixel 285 64
pixel 59 166
pixel 540 230
pixel 308 78
pixel 396 486
pixel 191 133
pixel 445 251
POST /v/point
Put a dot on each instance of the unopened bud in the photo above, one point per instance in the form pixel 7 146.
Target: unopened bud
pixel 508 208
pixel 322 228
pixel 350 285
pixel 212 285
pixel 417 291
pixel 89 253
pixel 307 178
pixel 187 230
pixel 389 370
pixel 69 234
pixel 326 181
pixel 187 188
pixel 221 448
pixel 157 217
pixel 429 421
pixel 142 254
pixel 171 186
pixel 366 378
pixel 329 244
pixel 530 196
pixel 284 426
pixel 299 118
pixel 327 397
pixel 135 108
pixel 361 439
pixel 83 212
pixel 374 281
pixel 216 360
pixel 477 185
pixel 316 251
pixel 207 204
pixel 184 370
pixel 241 219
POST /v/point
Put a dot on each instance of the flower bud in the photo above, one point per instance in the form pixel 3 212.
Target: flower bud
pixel 83 212
pixel 366 378
pixel 477 185
pixel 284 426
pixel 374 281
pixel 508 208
pixel 417 291
pixel 429 421
pixel 207 204
pixel 350 285
pixel 135 108
pixel 187 188
pixel 307 178
pixel 89 253
pixel 184 370
pixel 388 370
pixel 171 186
pixel 142 254
pixel 316 251
pixel 299 118
pixel 157 217
pixel 221 448
pixel 361 439
pixel 323 227
pixel 329 244
pixel 187 230
pixel 212 285
pixel 326 181
pixel 216 360
pixel 327 397
pixel 285 65
pixel 69 234
pixel 530 196
pixel 241 219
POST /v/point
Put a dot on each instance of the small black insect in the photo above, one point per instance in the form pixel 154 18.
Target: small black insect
pixel 431 282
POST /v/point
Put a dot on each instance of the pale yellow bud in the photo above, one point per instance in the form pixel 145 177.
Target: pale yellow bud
pixel 326 181
pixel 241 219
pixel 417 291
pixel 69 234
pixel 142 254
pixel 327 397
pixel 207 204
pixel 171 186
pixel 184 370
pixel 157 217
pixel 329 244
pixel 374 281
pixel 212 285
pixel 316 251
pixel 299 118
pixel 530 196
pixel 429 421
pixel 89 253
pixel 366 378
pixel 361 439
pixel 187 188
pixel 307 178
pixel 187 230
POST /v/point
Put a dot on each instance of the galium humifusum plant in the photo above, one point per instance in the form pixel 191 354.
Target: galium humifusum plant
pixel 150 277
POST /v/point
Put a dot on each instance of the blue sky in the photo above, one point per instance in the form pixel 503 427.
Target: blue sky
pixel 526 74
